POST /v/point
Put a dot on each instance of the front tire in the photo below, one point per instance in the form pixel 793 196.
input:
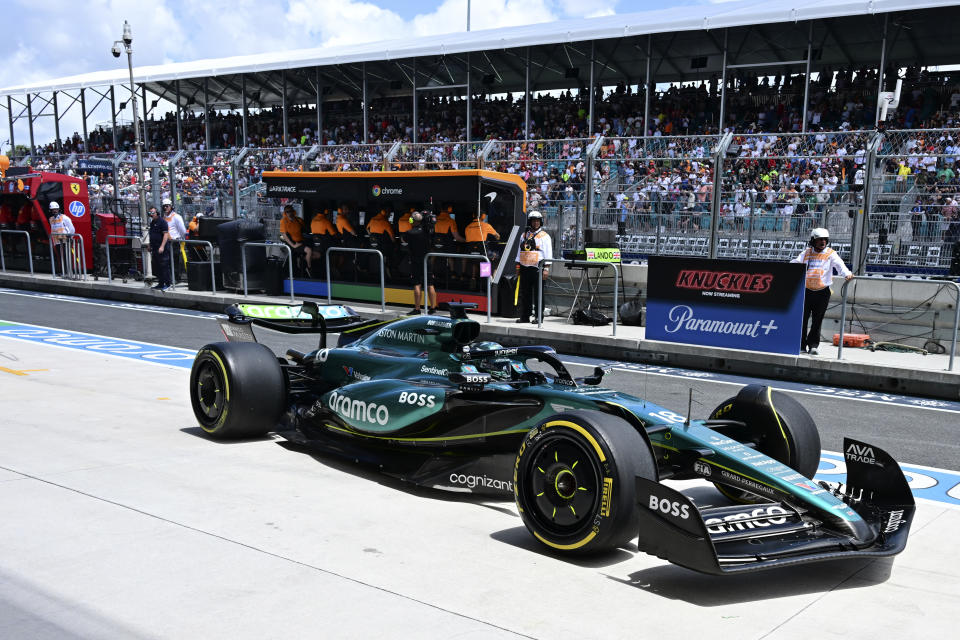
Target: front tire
pixel 237 390
pixel 574 481
pixel 777 426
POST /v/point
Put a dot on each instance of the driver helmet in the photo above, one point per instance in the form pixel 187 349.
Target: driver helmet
pixel 54 206
pixel 819 234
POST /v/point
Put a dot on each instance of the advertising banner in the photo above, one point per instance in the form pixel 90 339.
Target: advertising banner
pixel 738 304
pixel 95 165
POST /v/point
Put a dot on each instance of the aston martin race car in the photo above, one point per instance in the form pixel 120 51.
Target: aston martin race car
pixel 423 399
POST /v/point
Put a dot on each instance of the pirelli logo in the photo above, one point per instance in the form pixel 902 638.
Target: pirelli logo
pixel 607 497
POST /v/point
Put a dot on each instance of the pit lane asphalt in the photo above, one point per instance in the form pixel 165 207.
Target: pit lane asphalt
pixel 916 434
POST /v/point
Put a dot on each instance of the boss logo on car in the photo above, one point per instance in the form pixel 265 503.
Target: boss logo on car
pixel 358 410
pixel 669 507
pixel 417 399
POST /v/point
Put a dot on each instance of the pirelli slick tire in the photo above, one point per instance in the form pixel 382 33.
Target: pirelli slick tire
pixel 574 481
pixel 237 390
pixel 777 425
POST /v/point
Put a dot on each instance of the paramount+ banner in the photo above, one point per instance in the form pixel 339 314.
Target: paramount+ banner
pixel 736 304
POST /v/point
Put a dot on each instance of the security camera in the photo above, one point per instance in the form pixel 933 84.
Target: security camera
pixel 127 36
pixel 116 50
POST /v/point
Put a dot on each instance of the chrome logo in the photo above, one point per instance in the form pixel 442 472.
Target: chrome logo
pixel 375 190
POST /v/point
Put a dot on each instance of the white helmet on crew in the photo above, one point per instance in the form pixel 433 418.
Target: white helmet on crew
pixel 166 201
pixel 819 234
pixel 534 215
pixel 54 206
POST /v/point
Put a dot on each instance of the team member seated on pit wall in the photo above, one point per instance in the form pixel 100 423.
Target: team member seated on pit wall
pixel 60 228
pixel 478 234
pixel 535 245
pixel 447 239
pixel 382 237
pixel 291 233
pixel 324 235
pixel 419 244
pixel 821 263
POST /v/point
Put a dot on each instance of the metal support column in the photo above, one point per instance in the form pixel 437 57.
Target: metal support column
pixel 319 108
pixel 206 114
pixel 33 147
pixel 715 198
pixel 591 93
pixel 806 79
pixel 883 64
pixel 286 109
pixel 179 114
pixel 113 116
pixel 56 124
pixel 526 98
pixel 243 99
pixel 10 121
pixel 366 107
pixel 647 89
pixel 83 114
pixel 146 111
pixel 416 134
pixel 469 102
pixel 723 102
pixel 860 239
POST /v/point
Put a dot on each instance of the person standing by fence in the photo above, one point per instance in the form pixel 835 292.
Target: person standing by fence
pixel 821 263
pixel 61 227
pixel 159 251
pixel 535 245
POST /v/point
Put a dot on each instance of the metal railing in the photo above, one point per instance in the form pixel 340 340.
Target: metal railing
pixel 383 282
pixel 3 262
pixel 67 266
pixel 956 307
pixel 465 256
pixel 107 245
pixel 243 261
pixel 616 286
pixel 173 259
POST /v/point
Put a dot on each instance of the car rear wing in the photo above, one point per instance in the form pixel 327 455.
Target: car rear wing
pixel 740 538
pixel 306 317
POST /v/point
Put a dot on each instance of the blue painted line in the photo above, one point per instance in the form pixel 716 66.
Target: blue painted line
pixel 938 485
pixel 784 385
pixel 92 343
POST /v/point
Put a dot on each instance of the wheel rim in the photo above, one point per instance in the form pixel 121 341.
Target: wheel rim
pixel 210 392
pixel 564 486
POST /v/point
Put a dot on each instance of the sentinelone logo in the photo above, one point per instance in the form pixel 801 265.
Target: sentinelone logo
pixel 142 351
pixel 376 191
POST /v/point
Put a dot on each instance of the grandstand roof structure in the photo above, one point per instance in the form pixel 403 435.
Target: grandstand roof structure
pixel 668 45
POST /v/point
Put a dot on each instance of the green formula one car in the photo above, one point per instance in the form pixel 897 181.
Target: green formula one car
pixel 423 400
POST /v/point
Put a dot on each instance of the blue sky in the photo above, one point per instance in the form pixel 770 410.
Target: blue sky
pixel 53 39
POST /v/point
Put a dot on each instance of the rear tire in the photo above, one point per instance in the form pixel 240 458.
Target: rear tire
pixel 777 425
pixel 574 481
pixel 237 390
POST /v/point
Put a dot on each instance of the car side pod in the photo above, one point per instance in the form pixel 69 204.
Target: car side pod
pixel 751 537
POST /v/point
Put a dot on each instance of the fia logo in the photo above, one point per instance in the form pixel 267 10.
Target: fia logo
pixel 702 468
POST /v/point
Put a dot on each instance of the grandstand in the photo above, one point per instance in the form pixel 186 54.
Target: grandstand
pixel 725 130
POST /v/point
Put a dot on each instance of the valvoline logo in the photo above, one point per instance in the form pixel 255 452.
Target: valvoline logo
pixel 375 191
pixel 77 209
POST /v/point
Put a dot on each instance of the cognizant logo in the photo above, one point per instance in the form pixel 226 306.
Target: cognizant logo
pixel 480 481
pixel 359 410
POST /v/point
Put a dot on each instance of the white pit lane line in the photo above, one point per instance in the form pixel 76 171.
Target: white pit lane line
pixel 128 306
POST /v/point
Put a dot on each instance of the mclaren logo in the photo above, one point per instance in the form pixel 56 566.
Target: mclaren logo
pixel 358 410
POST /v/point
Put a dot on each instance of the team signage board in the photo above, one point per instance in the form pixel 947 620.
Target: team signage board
pixel 738 304
pixel 603 254
pixel 95 165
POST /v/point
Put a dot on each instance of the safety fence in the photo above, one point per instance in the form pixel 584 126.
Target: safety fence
pixel 892 197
